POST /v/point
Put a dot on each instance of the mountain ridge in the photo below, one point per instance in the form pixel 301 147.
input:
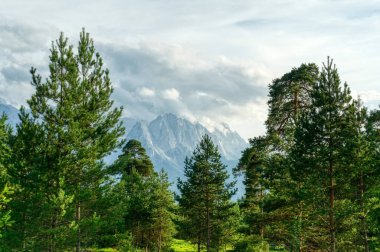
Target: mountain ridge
pixel 169 139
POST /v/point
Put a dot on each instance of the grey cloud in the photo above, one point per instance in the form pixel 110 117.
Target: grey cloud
pixel 212 91
pixel 279 34
pixel 15 74
pixel 142 67
pixel 19 38
pixel 22 46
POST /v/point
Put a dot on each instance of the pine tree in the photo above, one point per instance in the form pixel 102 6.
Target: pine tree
pixel 144 202
pixel 288 97
pixel 270 187
pixel 162 211
pixel 205 194
pixel 133 158
pixel 5 188
pixel 322 149
pixel 371 187
pixel 29 175
pixel 148 210
pixel 253 164
pixel 73 109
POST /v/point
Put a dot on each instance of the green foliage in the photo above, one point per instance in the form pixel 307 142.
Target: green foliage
pixel 6 190
pixel 205 197
pixel 133 159
pixel 139 203
pixel 148 210
pixel 5 212
pixel 311 180
pixel 72 127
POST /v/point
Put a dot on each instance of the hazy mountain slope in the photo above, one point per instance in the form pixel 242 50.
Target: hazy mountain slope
pixel 168 139
pixel 11 112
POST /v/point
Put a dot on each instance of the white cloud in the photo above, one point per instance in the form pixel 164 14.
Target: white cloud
pixel 147 92
pixel 200 59
pixel 171 94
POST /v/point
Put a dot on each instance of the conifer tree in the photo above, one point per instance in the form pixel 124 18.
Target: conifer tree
pixel 133 158
pixel 322 149
pixel 370 210
pixel 149 210
pixel 144 202
pixel 74 110
pixel 266 166
pixel 29 175
pixel 5 188
pixel 288 97
pixel 253 164
pixel 206 193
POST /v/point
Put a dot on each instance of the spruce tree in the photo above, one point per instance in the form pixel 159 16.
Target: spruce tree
pixel 205 194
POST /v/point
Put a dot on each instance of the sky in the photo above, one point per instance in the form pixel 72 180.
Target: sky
pixel 209 61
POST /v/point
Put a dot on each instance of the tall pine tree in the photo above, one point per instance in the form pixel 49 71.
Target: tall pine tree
pixel 73 108
pixel 321 153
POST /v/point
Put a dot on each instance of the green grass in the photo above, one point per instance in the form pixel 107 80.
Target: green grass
pixel 102 250
pixel 183 246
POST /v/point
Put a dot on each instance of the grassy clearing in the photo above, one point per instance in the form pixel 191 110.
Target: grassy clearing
pixel 183 246
pixel 102 250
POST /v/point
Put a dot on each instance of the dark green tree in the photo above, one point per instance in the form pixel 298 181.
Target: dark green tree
pixel 5 188
pixel 288 97
pixel 148 213
pixel 73 109
pixel 322 150
pixel 271 192
pixel 253 164
pixel 29 175
pixel 206 195
pixel 133 158
pixel 143 205
pixel 369 186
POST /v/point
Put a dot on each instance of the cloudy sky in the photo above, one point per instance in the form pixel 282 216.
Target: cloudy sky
pixel 208 60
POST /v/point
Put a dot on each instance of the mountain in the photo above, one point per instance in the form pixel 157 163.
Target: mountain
pixel 11 112
pixel 168 139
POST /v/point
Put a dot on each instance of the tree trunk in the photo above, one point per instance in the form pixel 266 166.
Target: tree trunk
pixel 159 239
pixel 363 217
pixel 300 219
pixel 262 214
pixel 208 229
pixel 78 231
pixel 52 236
pixel 23 231
pixel 332 211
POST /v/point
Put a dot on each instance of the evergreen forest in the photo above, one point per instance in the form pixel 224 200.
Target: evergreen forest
pixel 312 181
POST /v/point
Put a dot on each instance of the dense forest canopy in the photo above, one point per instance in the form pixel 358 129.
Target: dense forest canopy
pixel 311 182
